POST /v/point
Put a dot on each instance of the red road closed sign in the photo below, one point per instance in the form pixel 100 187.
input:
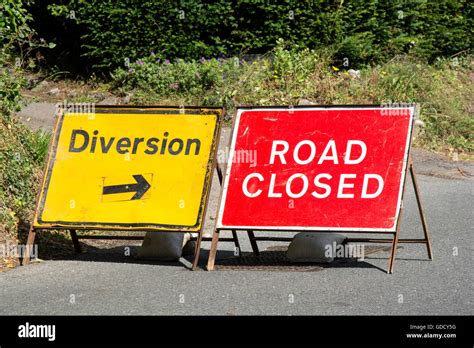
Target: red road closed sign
pixel 316 168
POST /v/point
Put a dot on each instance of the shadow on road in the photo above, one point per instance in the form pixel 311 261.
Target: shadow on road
pixel 55 245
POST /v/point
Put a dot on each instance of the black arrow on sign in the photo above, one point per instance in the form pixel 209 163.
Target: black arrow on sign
pixel 139 188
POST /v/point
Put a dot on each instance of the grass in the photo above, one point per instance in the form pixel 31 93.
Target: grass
pixel 443 91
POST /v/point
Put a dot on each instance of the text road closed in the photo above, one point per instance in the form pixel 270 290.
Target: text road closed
pixel 317 168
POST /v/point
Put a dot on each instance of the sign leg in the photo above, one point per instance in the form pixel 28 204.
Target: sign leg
pixel 75 241
pixel 29 246
pixel 213 251
pixel 219 173
pixel 197 251
pixel 393 251
pixel 420 210
pixel 253 243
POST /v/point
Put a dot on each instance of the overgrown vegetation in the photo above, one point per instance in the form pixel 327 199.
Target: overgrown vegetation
pixel 22 154
pixel 289 76
pixel 19 45
pixel 15 31
pixel 22 151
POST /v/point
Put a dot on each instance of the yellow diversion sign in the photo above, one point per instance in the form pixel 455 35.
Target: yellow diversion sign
pixel 128 168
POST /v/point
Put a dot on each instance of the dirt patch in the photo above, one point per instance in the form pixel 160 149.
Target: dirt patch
pixel 50 91
pixel 438 165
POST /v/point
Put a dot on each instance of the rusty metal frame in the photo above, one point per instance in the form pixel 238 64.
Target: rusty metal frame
pixel 394 241
pixel 73 230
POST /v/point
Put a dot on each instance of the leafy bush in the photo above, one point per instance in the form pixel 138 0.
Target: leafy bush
pixel 362 31
pixel 159 78
pixel 164 77
pixel 21 157
pixel 11 99
pixel 14 25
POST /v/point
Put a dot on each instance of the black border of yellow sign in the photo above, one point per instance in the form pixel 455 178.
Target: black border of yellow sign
pixel 124 109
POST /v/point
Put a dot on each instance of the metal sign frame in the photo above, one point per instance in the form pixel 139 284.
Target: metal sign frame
pixel 73 227
pixel 407 166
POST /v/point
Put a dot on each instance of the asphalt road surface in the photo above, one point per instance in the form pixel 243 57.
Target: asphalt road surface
pixel 105 281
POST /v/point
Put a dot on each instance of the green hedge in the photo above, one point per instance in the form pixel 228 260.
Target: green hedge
pixel 362 31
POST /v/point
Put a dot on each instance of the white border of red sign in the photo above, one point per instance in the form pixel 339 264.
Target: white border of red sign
pixel 239 111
